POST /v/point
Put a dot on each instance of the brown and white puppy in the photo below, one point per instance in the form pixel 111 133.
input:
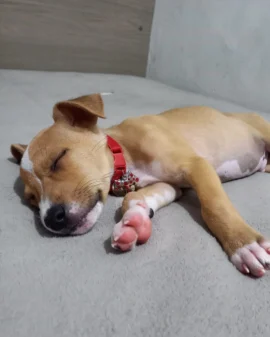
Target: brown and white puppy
pixel 67 170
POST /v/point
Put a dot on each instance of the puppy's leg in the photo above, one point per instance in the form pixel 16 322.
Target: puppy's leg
pixel 255 121
pixel 137 209
pixel 247 249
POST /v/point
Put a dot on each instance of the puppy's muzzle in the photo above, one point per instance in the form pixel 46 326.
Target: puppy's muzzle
pixel 56 218
pixel 72 219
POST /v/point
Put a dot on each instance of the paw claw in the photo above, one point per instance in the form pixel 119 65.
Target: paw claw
pixel 245 269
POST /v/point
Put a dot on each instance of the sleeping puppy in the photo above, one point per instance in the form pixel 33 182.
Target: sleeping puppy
pixel 69 169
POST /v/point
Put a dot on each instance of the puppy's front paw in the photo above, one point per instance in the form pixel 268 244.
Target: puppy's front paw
pixel 253 258
pixel 135 227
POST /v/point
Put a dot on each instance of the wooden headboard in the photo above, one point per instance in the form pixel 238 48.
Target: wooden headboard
pixel 110 36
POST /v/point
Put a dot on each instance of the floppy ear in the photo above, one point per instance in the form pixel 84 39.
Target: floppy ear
pixel 82 111
pixel 17 151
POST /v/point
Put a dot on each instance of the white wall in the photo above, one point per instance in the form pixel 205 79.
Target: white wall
pixel 215 47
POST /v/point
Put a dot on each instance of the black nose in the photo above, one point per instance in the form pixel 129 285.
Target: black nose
pixel 56 218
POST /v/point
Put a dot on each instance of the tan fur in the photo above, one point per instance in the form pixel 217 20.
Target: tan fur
pixel 189 144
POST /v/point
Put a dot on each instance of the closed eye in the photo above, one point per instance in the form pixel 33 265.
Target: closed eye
pixel 56 161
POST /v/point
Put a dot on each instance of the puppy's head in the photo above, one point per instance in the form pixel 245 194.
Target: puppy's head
pixel 67 167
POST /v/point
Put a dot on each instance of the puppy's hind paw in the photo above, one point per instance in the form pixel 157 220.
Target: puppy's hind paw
pixel 253 258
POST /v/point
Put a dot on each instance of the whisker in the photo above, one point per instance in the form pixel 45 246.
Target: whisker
pixel 89 181
pixel 98 145
pixel 84 186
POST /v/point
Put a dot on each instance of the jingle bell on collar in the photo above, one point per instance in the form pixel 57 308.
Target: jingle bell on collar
pixel 127 183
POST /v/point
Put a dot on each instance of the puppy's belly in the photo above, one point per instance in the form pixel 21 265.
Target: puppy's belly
pixel 241 167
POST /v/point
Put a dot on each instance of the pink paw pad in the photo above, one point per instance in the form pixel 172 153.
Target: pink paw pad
pixel 253 258
pixel 135 227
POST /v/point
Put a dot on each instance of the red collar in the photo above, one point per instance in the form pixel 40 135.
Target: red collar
pixel 122 180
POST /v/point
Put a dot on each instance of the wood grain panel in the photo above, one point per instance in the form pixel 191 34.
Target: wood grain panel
pixel 110 36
